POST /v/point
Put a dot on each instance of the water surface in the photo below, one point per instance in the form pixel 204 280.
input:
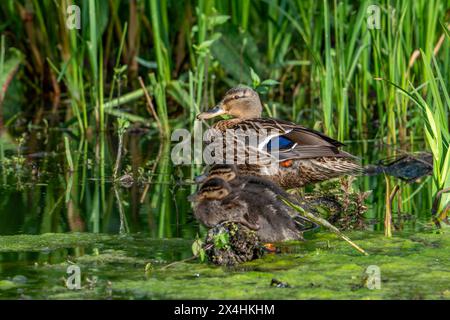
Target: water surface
pixel 123 235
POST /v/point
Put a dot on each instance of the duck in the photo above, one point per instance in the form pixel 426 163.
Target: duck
pixel 304 156
pixel 253 205
pixel 255 184
pixel 237 179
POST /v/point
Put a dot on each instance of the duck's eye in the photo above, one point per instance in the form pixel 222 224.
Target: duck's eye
pixel 236 97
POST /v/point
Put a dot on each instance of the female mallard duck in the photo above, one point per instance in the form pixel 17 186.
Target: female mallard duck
pixel 305 156
pixel 253 205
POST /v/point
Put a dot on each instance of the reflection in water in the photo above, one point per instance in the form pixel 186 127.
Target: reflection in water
pixel 147 201
pixel 39 194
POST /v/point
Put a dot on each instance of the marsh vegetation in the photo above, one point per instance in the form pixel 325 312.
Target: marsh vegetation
pixel 86 117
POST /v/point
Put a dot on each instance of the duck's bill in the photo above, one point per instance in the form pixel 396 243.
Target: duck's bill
pixel 200 179
pixel 193 197
pixel 211 113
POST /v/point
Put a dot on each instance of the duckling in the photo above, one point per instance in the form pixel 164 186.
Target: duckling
pixel 257 208
pixel 238 179
pixel 254 184
pixel 306 156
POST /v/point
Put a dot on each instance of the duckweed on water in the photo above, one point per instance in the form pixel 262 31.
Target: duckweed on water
pixel 49 241
pixel 415 266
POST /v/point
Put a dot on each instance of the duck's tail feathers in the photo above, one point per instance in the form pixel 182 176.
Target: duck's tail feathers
pixel 409 167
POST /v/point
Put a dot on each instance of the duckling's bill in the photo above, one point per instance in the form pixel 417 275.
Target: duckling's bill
pixel 193 197
pixel 201 178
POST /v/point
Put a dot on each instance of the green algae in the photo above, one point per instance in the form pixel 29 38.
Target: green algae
pixel 49 241
pixel 409 270
pixel 412 266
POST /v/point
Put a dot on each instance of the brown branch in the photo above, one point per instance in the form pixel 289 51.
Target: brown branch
pixel 437 199
pixel 416 53
pixel 150 107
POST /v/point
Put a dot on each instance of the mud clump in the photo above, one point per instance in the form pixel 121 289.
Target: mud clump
pixel 231 243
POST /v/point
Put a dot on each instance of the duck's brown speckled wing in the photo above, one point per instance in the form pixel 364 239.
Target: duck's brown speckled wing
pixel 295 132
pixel 309 152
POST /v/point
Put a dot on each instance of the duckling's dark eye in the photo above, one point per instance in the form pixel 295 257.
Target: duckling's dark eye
pixel 236 97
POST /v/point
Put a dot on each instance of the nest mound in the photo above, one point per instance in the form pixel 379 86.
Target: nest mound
pixel 231 243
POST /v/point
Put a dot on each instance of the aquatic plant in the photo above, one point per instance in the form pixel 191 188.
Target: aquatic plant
pixel 188 53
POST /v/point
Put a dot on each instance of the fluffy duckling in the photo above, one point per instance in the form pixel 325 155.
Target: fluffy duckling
pixel 254 206
pixel 255 185
pixel 240 179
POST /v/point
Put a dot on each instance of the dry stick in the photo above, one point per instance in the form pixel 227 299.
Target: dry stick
pixel 177 262
pixel 123 229
pixel 444 214
pixel 393 193
pixel 144 193
pixel 184 260
pixel 399 203
pixel 391 200
pixel 439 43
pixel 388 212
pixel 438 197
pixel 325 224
pixel 416 53
pixel 435 207
pixel 121 133
pixel 151 110
pixel 147 187
pixel 150 107
pixel 119 155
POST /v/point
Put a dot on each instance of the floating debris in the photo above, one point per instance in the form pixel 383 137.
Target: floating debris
pixel 279 284
pixel 407 167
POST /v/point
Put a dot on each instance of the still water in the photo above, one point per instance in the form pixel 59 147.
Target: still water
pixel 124 235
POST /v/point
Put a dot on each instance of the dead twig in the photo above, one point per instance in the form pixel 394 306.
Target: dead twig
pixel 150 107
pixel 416 53
pixel 325 224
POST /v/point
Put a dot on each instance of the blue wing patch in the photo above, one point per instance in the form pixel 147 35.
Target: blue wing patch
pixel 282 141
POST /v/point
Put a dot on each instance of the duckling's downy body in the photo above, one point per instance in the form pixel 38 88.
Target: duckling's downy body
pixel 251 201
pixel 305 156
pixel 238 180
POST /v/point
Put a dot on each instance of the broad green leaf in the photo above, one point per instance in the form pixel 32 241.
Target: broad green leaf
pixel 255 78
pixel 217 20
pixel 269 82
pixel 197 246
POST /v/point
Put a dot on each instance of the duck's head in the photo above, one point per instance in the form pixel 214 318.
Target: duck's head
pixel 240 102
pixel 226 172
pixel 212 189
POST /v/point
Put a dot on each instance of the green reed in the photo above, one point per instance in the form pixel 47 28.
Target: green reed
pixel 435 109
pixel 331 64
pixel 326 60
